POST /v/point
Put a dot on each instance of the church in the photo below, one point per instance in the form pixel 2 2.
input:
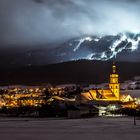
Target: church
pixel 112 93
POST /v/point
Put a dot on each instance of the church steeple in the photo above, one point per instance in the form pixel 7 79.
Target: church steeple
pixel 114 68
pixel 114 82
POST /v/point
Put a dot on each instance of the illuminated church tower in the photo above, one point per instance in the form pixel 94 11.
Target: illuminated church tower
pixel 114 82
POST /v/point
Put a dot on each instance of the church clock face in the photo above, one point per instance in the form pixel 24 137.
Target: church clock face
pixel 112 80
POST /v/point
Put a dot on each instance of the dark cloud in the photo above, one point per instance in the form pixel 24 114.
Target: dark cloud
pixel 36 22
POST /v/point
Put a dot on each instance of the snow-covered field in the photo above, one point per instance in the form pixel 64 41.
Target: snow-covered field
pixel 77 129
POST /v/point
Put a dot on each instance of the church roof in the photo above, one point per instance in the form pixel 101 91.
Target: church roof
pixel 111 96
pixel 99 94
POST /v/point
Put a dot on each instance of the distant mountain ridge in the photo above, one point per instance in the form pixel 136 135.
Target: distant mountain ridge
pixel 123 47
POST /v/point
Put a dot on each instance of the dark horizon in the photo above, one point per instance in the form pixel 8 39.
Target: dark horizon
pixel 74 72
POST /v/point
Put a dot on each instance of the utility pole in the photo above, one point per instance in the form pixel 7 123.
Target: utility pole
pixel 134 114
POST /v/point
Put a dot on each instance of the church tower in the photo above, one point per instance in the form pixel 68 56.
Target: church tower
pixel 114 82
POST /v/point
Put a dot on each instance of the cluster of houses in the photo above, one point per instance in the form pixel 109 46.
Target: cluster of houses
pixel 75 100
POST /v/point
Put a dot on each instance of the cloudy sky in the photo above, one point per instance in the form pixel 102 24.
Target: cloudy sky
pixel 30 28
pixel 39 22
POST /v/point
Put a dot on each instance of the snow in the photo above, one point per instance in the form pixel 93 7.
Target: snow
pixel 69 129
pixel 133 93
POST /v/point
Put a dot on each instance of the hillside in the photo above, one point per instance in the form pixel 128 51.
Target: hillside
pixel 80 72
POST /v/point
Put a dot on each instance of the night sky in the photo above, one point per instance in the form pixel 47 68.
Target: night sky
pixel 40 32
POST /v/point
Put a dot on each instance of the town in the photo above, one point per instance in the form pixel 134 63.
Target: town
pixel 71 100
